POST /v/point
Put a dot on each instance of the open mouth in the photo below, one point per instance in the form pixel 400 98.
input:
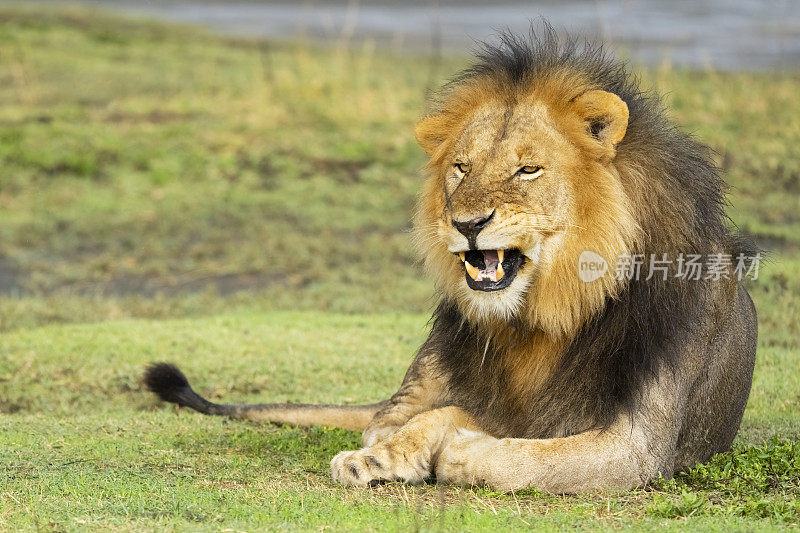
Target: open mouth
pixel 491 270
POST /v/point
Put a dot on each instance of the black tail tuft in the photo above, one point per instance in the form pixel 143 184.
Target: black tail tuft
pixel 167 381
pixel 171 385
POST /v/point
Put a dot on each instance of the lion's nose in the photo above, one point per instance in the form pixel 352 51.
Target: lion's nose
pixel 471 228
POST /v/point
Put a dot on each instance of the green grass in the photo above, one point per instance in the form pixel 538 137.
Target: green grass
pixel 82 445
pixel 204 186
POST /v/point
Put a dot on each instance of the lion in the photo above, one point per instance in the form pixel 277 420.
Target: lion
pixel 531 376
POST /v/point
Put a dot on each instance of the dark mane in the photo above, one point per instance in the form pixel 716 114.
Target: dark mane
pixel 604 369
pixel 520 58
pixel 683 165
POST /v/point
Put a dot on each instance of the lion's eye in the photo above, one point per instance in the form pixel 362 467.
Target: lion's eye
pixel 530 172
pixel 462 167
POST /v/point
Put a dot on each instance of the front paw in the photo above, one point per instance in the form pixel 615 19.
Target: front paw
pixel 369 466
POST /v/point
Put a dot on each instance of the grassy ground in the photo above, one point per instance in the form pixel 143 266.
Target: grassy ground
pixel 82 446
pixel 151 172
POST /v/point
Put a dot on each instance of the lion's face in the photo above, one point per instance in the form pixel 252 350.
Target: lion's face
pixel 512 190
pixel 506 203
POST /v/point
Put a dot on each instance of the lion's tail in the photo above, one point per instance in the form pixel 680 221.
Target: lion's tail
pixel 169 383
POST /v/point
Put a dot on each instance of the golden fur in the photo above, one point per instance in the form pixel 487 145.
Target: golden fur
pixel 598 215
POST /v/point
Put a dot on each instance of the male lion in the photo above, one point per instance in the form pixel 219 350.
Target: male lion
pixel 533 375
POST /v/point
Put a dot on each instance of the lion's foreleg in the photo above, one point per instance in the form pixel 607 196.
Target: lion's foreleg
pixel 594 460
pixel 423 389
pixel 635 449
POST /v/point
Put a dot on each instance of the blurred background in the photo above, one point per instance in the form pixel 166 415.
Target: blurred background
pixel 725 34
pixel 180 158
pixel 229 185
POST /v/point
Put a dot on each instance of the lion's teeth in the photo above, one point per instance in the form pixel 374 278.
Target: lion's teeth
pixel 462 256
pixel 500 272
pixel 471 270
pixel 500 256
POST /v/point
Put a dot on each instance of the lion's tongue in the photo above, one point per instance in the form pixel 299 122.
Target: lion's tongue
pixel 490 261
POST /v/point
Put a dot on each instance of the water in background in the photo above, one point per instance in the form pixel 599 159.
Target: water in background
pixel 723 34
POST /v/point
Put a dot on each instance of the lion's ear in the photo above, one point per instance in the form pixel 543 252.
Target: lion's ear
pixel 431 132
pixel 605 114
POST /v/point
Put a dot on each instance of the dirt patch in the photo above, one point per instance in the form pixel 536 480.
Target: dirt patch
pixel 10 278
pixel 772 244
pixel 344 171
pixel 262 166
pixel 222 284
pixel 157 116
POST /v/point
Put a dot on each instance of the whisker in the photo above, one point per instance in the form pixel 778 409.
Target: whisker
pixel 558 224
pixel 427 242
pixel 551 230
pixel 428 236
pixel 548 228
pixel 433 225
pixel 485 349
